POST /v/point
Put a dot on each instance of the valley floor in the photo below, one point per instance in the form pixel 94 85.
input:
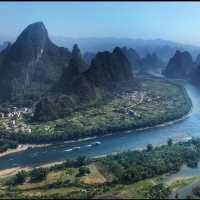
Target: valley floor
pixel 156 101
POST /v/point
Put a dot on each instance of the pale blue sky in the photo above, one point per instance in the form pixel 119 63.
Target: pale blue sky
pixel 177 21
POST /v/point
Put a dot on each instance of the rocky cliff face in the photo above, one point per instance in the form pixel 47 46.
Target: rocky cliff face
pixel 73 80
pixel 32 64
pixel 180 65
pixel 197 61
pixel 109 67
pixel 4 45
pixel 151 61
pixel 105 69
pixel 133 57
pixel 88 56
pixel 75 87
pixel 195 76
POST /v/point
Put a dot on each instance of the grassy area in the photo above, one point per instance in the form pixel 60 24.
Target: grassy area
pixel 157 101
pixel 78 184
pixel 58 182
pixel 95 176
pixel 182 182
pixel 133 191
pixel 132 174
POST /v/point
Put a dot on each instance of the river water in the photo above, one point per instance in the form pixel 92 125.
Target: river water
pixel 122 141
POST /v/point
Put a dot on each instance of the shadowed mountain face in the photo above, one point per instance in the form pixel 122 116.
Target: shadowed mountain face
pixel 73 80
pixel 107 70
pixel 151 61
pixel 88 56
pixel 4 45
pixel 197 61
pixel 163 48
pixel 195 76
pixel 32 64
pixel 180 65
pixel 132 57
pixel 109 67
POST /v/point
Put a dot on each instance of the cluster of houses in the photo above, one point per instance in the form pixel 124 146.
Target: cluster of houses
pixel 129 111
pixel 15 112
pixel 13 126
pixel 137 97
pixel 11 115
pixel 131 96
pixel 151 98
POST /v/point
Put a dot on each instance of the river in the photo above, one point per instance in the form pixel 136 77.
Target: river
pixel 122 141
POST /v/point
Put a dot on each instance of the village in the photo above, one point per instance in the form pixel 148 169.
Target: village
pixel 135 98
pixel 12 117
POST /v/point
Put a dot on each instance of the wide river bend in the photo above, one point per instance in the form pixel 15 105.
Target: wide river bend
pixel 122 141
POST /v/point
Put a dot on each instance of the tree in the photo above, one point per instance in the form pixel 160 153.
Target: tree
pixel 158 191
pixel 81 160
pixel 170 142
pixel 83 170
pixel 38 174
pixel 149 147
pixel 19 177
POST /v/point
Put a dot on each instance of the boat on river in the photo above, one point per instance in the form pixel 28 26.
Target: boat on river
pixel 97 143
pixel 75 148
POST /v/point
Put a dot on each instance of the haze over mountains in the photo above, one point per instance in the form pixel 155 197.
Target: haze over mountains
pixel 33 66
pixel 164 49
pixel 180 65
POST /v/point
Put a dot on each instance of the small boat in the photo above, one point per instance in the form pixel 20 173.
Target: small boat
pixel 75 148
pixel 68 150
pixel 96 143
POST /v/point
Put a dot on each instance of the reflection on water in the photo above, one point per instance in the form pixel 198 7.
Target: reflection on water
pixel 189 127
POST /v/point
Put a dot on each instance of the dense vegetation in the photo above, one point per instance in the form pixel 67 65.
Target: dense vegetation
pixel 162 101
pixel 133 166
pixel 131 174
pixel 7 144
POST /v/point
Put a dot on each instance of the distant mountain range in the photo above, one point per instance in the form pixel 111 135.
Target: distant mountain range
pixel 164 49
pixel 34 67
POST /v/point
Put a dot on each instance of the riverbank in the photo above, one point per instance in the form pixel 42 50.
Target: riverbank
pixel 153 176
pixel 156 103
pixel 153 114
pixel 171 122
pixel 22 147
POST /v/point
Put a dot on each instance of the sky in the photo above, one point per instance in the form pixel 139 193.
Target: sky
pixel 176 21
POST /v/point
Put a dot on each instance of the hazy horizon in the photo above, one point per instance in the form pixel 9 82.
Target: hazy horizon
pixel 173 21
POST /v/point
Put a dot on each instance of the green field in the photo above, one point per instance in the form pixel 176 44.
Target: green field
pixel 132 174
